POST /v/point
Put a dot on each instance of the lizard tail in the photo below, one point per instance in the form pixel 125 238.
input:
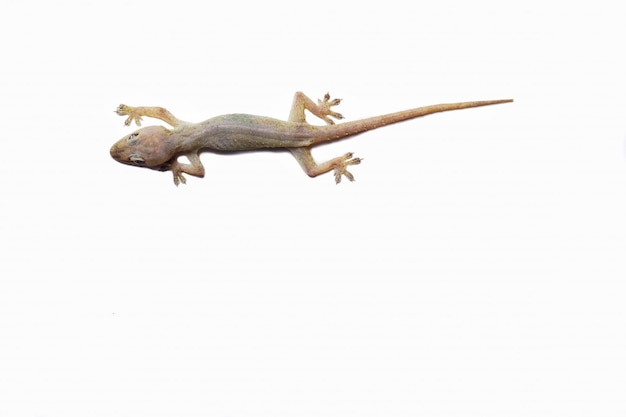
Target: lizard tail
pixel 352 128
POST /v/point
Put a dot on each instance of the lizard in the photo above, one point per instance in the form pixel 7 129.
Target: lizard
pixel 159 148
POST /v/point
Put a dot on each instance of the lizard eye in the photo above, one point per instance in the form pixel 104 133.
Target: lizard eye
pixel 136 159
pixel 132 139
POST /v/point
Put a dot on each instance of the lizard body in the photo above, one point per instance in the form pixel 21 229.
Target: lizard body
pixel 157 147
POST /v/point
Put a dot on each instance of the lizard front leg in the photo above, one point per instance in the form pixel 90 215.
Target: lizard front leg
pixel 195 168
pixel 313 169
pixel 135 113
pixel 322 109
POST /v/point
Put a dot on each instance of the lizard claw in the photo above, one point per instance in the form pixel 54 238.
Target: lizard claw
pixel 325 110
pixel 178 178
pixel 124 110
pixel 343 163
pixel 178 173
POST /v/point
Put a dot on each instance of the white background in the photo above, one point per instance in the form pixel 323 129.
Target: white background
pixel 475 268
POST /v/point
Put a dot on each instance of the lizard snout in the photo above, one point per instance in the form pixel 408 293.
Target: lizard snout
pixel 115 152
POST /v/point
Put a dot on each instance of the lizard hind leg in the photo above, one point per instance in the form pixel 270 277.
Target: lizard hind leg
pixel 322 109
pixel 339 165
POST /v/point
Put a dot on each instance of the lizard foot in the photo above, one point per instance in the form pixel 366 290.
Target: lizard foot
pixel 178 173
pixel 178 178
pixel 342 165
pixel 325 109
pixel 124 110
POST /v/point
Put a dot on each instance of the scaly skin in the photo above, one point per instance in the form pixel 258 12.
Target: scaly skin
pixel 157 147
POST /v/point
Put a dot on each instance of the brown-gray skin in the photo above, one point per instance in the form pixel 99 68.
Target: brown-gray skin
pixel 157 147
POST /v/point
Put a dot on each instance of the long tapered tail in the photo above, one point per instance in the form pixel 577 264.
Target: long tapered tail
pixel 358 126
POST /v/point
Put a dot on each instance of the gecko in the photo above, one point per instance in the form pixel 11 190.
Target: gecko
pixel 159 148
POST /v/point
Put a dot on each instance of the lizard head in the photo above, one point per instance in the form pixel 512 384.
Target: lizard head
pixel 148 147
